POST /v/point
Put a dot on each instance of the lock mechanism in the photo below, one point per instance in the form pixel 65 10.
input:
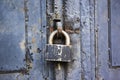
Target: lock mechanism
pixel 59 52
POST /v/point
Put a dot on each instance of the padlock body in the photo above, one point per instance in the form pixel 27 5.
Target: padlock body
pixel 58 52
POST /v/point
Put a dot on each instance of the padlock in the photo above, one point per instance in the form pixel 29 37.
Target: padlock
pixel 59 52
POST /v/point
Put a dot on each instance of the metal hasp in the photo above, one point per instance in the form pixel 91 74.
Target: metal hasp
pixel 59 52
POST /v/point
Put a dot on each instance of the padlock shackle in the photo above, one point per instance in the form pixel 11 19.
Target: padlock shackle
pixel 67 38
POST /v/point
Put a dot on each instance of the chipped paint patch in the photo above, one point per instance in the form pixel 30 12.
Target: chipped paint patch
pixel 39 20
pixel 34 48
pixel 22 44
pixel 33 40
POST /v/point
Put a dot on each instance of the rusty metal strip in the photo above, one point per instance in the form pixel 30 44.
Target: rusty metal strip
pixel 28 57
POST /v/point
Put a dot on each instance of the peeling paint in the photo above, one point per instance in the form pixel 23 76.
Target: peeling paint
pixel 33 40
pixel 22 45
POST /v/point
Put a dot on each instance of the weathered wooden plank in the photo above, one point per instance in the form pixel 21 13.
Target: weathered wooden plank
pixel 50 11
pixel 72 21
pixel 44 38
pixel 102 40
pixel 12 35
pixel 86 54
pixel 115 32
pixel 37 37
pixel 92 37
pixel 33 24
pixel 104 69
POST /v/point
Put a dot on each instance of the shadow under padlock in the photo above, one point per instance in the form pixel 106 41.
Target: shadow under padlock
pixel 58 50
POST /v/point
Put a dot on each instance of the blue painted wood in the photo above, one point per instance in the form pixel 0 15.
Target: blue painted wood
pixel 104 70
pixel 102 64
pixel 86 41
pixel 90 47
pixel 34 38
pixel 44 38
pixel 92 37
pixel 72 21
pixel 12 35
pixel 115 32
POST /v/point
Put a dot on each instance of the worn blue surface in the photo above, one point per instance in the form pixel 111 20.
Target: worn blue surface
pixel 91 58
pixel 115 32
pixel 106 71
pixel 12 35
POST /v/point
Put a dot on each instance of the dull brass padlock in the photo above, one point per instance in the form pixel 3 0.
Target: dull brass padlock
pixel 59 52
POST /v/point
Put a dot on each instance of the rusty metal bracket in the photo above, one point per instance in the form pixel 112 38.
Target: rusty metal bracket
pixel 76 31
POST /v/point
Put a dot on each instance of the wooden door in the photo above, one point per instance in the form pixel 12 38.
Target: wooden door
pixel 108 49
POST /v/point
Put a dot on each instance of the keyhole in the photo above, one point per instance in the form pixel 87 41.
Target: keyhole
pixel 59 50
